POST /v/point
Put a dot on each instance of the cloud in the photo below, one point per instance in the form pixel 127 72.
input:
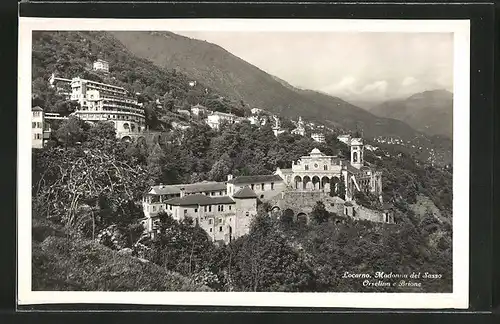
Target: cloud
pixel 350 87
pixel 408 81
pixel 377 87
pixel 346 85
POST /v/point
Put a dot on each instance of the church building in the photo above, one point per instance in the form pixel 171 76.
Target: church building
pixel 225 209
pixel 320 172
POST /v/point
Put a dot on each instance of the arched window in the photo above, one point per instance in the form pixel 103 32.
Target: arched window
pixel 126 126
pixel 355 157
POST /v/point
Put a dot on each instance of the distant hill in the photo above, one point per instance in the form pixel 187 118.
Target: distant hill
pixel 228 74
pixel 430 112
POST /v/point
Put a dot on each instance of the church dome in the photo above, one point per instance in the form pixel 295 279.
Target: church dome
pixel 315 151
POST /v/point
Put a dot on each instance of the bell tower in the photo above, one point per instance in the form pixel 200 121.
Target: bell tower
pixel 357 152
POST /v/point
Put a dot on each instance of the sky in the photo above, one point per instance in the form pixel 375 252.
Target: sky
pixel 354 66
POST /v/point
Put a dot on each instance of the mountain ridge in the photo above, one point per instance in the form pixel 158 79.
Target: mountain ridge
pixel 430 111
pixel 229 74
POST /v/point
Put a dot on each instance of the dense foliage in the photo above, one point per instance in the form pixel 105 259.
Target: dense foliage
pixel 61 262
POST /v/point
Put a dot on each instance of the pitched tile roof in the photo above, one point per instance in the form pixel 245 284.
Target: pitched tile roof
pixel 188 188
pixel 255 179
pixel 245 192
pixel 199 199
pixel 222 200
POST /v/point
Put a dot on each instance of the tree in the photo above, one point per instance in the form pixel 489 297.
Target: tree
pixel 266 262
pixel 287 217
pixel 181 247
pixel 72 131
pixel 319 214
pixel 87 187
pixel 341 190
pixel 221 168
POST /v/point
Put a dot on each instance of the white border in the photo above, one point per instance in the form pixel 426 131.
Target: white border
pixel 457 299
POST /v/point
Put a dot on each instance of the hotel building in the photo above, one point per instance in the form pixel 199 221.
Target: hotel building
pixel 104 102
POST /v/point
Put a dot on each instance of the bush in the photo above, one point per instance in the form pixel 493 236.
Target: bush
pixel 68 264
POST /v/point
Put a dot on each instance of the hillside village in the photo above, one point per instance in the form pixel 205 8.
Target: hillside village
pixel 160 175
pixel 105 102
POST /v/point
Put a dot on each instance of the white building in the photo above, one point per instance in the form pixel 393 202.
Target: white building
pixel 223 209
pixel 346 139
pixel 256 111
pixel 216 118
pixel 40 126
pixel 300 130
pixel 318 137
pixel 254 120
pixel 277 127
pixel 371 148
pixel 198 109
pixel 177 125
pixel 37 125
pixel 101 102
pixel 101 65
pixel 61 85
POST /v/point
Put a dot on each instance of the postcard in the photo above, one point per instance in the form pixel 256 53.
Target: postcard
pixel 244 162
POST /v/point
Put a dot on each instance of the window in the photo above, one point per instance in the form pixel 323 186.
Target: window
pixel 205 209
pixel 247 214
pixel 306 167
pixel 210 230
pixel 154 208
pixel 272 185
pixel 220 193
pixel 220 220
pixel 253 186
pixel 212 193
pixel 33 125
pixel 261 196
pixel 209 221
pixel 185 212
pixel 196 210
pixel 325 167
pixel 210 208
pixel 262 186
pixel 229 207
pixel 170 207
pixel 220 228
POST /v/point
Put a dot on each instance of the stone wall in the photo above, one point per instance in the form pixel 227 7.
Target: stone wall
pixel 304 201
pixel 361 212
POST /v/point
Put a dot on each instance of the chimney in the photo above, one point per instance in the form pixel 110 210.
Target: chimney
pixel 229 177
pixel 182 192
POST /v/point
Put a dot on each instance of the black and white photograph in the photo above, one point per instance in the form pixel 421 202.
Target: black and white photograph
pixel 297 160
